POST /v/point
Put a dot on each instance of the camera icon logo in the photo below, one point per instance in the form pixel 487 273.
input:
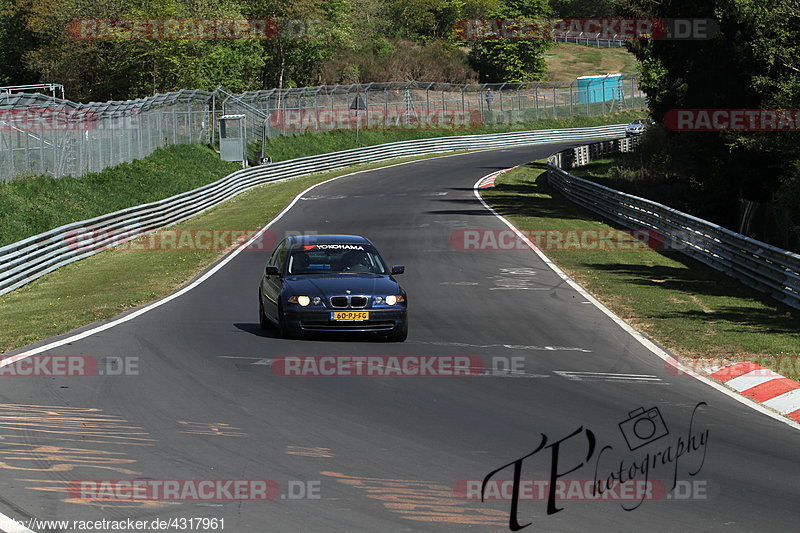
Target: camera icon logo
pixel 643 427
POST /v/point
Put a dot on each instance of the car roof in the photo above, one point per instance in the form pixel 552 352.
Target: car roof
pixel 298 240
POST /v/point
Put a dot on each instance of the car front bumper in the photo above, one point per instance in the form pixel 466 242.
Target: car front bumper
pixel 320 320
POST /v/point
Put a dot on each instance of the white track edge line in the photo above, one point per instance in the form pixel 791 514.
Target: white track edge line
pixel 9 525
pixel 644 341
pixel 6 521
pixel 213 270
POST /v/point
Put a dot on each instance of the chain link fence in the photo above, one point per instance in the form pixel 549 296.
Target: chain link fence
pixel 41 134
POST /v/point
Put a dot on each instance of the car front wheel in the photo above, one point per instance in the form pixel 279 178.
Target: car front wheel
pixel 283 331
pixel 263 322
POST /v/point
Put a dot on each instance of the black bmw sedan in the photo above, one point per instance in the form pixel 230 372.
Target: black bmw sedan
pixel 324 283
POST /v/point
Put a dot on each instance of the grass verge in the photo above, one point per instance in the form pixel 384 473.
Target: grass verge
pixel 32 205
pixel 35 204
pixel 123 278
pixel 696 312
pixel 567 61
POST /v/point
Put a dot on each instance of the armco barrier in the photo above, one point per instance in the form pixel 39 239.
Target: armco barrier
pixel 759 265
pixel 26 260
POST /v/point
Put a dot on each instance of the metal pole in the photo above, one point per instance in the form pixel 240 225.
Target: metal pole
pixel 212 122
pixel 111 139
pixel 316 109
pixel 283 104
pixel 81 139
pixel 174 123
pixel 603 95
pixel 160 126
pixel 139 139
pixel 571 111
pixel 190 136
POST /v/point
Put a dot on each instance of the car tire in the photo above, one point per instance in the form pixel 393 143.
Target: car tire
pixel 398 336
pixel 263 321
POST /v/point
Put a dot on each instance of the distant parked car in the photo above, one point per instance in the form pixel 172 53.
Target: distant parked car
pixel 637 127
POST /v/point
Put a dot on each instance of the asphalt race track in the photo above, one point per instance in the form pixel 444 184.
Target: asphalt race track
pixel 378 454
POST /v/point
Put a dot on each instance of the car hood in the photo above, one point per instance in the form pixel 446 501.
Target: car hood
pixel 332 285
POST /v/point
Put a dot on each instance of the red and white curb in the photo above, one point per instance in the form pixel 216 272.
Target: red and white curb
pixel 488 181
pixel 762 385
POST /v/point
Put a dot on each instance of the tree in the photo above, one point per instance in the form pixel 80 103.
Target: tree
pixel 752 64
pixel 14 42
pixel 505 60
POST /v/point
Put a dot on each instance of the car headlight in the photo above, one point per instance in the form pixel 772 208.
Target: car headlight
pixel 302 300
pixel 392 299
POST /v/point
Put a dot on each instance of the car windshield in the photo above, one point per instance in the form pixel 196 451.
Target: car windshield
pixel 335 259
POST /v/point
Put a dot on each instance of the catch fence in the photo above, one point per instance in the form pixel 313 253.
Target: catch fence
pixel 41 134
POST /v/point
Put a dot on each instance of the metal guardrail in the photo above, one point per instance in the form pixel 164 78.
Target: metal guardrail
pixel 759 265
pixel 29 259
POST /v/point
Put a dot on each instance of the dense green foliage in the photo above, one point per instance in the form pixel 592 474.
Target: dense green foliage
pixel 752 64
pixel 311 42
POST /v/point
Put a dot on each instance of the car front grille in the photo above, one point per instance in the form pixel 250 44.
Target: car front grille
pixel 339 301
pixel 348 301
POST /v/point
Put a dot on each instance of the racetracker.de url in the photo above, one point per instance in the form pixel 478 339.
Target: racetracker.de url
pixel 129 524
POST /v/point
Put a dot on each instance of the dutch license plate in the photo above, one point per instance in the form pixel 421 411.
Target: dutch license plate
pixel 350 315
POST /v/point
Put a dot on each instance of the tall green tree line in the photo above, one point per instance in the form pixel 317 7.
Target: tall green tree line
pixel 345 41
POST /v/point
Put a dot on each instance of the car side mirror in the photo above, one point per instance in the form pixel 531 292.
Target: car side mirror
pixel 398 269
pixel 272 270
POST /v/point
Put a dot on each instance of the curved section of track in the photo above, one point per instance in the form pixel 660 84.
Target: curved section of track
pixel 388 453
